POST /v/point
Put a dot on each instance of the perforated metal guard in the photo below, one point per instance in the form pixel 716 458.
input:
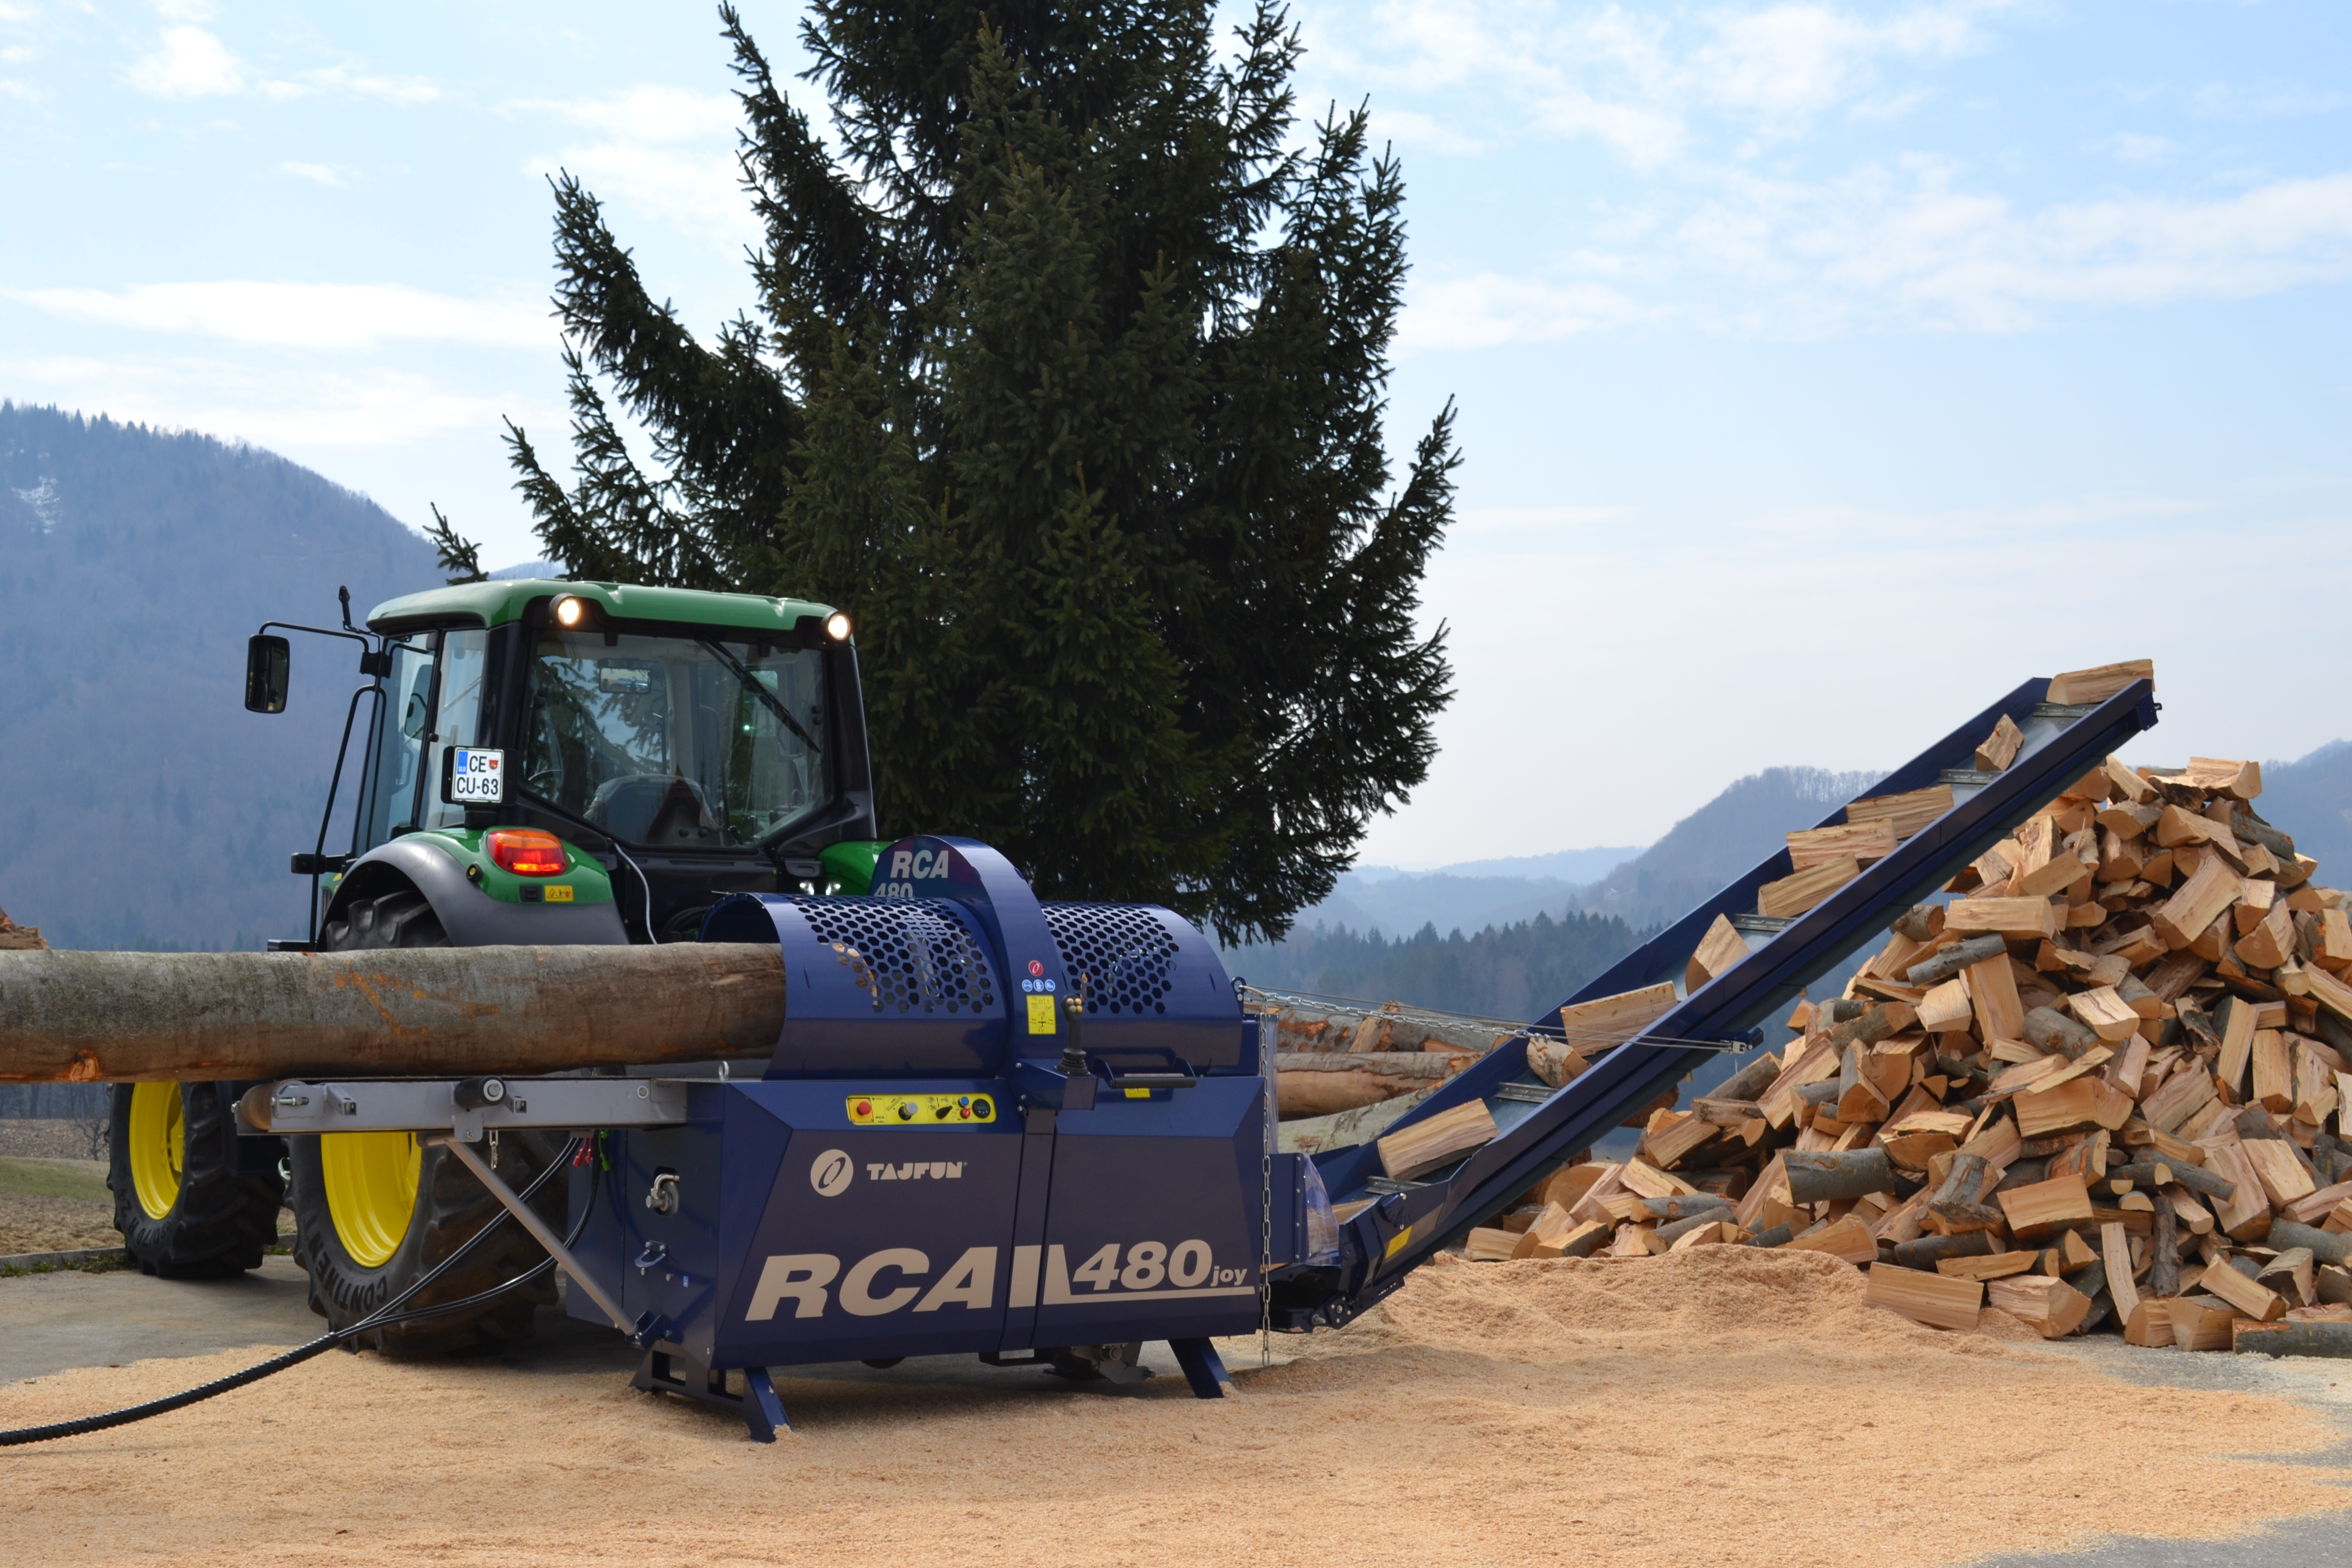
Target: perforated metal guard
pixel 1124 952
pixel 913 955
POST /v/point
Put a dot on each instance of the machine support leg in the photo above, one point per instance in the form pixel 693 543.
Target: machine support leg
pixel 1203 1368
pixel 530 1222
pixel 668 1370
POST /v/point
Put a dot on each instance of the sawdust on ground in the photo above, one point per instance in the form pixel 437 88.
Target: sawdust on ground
pixel 1722 1407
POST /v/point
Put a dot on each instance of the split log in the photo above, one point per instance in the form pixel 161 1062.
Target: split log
pixel 1686 1205
pixel 1779 1236
pixel 2203 1323
pixel 1928 1251
pixel 2043 1302
pixel 1937 1300
pixel 1825 1177
pixel 1421 1147
pixel 95 1017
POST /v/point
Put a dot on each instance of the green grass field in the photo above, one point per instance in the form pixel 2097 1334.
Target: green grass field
pixel 54 1179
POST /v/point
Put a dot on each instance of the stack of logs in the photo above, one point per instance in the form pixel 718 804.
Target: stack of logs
pixel 1331 1059
pixel 2101 1088
pixel 13 935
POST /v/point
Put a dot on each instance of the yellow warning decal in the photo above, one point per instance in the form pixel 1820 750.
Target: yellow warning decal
pixel 1041 1015
pixel 920 1110
pixel 1138 1094
pixel 1396 1242
pixel 559 893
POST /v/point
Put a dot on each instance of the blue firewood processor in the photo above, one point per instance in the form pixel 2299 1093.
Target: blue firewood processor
pixel 1045 1134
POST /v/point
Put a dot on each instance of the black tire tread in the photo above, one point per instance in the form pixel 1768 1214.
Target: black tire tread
pixel 230 1192
pixel 457 1205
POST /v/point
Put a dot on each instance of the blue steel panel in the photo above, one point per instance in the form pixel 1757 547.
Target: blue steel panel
pixel 1152 1231
pixel 1402 1229
pixel 863 1242
pixel 873 986
pixel 1156 992
pixel 984 882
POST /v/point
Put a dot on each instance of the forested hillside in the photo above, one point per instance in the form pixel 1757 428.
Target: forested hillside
pixel 144 806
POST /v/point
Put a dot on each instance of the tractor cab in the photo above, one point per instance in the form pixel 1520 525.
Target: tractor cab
pixel 551 762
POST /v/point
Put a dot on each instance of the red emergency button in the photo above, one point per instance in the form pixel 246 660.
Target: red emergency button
pixel 864 1108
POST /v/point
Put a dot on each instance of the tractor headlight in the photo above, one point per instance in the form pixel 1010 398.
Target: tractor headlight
pixel 570 612
pixel 836 626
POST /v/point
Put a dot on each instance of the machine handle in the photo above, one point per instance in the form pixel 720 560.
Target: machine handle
pixel 1153 1080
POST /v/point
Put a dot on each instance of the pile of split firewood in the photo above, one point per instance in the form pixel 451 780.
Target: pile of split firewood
pixel 2102 1087
pixel 13 935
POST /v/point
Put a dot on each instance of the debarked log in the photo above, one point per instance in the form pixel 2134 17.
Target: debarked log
pixel 95 1017
pixel 1321 1083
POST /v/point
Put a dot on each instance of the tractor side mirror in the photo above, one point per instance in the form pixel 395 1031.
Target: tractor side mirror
pixel 268 661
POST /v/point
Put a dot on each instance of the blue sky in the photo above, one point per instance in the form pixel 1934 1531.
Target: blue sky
pixel 1823 370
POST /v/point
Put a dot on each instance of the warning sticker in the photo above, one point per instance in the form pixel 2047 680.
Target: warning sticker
pixel 1041 1015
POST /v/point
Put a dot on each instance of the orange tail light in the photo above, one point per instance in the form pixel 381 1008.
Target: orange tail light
pixel 527 852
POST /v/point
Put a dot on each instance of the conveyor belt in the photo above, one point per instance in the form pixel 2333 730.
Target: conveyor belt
pixel 1543 1128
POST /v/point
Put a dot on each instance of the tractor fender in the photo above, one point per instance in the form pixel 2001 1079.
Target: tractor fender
pixel 471 917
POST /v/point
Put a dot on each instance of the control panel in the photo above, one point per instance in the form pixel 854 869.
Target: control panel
pixel 920 1110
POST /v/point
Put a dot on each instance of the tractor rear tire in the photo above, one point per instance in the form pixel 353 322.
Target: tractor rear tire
pixel 193 1199
pixel 349 1278
pixel 357 1260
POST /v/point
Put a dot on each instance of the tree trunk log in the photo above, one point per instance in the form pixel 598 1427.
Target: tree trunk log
pixel 1823 1177
pixel 2293 1339
pixel 2196 1178
pixel 93 1017
pixel 2164 1259
pixel 2325 1245
pixel 1954 959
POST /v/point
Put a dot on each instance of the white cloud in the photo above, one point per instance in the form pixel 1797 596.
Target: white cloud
pixel 666 152
pixel 188 62
pixel 338 316
pixel 1644 82
pixel 2129 147
pixel 269 405
pixel 2227 101
pixel 323 174
pixel 341 82
pixel 1488 310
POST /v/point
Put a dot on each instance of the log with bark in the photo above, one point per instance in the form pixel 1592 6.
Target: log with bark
pixel 95 1017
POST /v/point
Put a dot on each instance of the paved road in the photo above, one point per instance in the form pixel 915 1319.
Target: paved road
pixel 2318 1538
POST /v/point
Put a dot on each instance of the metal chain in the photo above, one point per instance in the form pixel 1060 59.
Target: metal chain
pixel 1267 1029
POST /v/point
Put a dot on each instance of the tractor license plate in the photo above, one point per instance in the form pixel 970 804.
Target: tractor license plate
pixel 478 776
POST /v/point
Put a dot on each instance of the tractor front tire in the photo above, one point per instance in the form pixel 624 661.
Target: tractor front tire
pixel 373 1211
pixel 193 1199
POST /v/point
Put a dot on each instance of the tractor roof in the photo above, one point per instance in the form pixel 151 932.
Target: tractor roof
pixel 496 603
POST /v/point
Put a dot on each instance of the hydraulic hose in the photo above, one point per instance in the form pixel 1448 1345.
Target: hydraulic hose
pixel 383 1317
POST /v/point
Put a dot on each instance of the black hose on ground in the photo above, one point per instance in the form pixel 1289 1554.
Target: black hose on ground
pixel 382 1317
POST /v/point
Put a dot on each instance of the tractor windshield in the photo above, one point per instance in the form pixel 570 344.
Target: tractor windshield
pixel 676 742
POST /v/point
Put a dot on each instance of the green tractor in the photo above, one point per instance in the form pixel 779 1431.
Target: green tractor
pixel 541 762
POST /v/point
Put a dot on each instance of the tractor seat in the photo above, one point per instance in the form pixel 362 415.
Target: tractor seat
pixel 654 809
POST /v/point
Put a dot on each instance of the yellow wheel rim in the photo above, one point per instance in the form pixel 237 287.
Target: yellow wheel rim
pixel 372 1179
pixel 159 1146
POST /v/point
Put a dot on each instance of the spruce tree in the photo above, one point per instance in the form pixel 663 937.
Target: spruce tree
pixel 1066 381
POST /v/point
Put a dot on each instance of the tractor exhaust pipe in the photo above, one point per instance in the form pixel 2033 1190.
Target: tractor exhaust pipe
pixel 116 1017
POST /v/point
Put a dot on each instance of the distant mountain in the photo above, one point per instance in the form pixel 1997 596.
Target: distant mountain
pixel 141 805
pixel 2311 802
pixel 1510 972
pixel 1725 836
